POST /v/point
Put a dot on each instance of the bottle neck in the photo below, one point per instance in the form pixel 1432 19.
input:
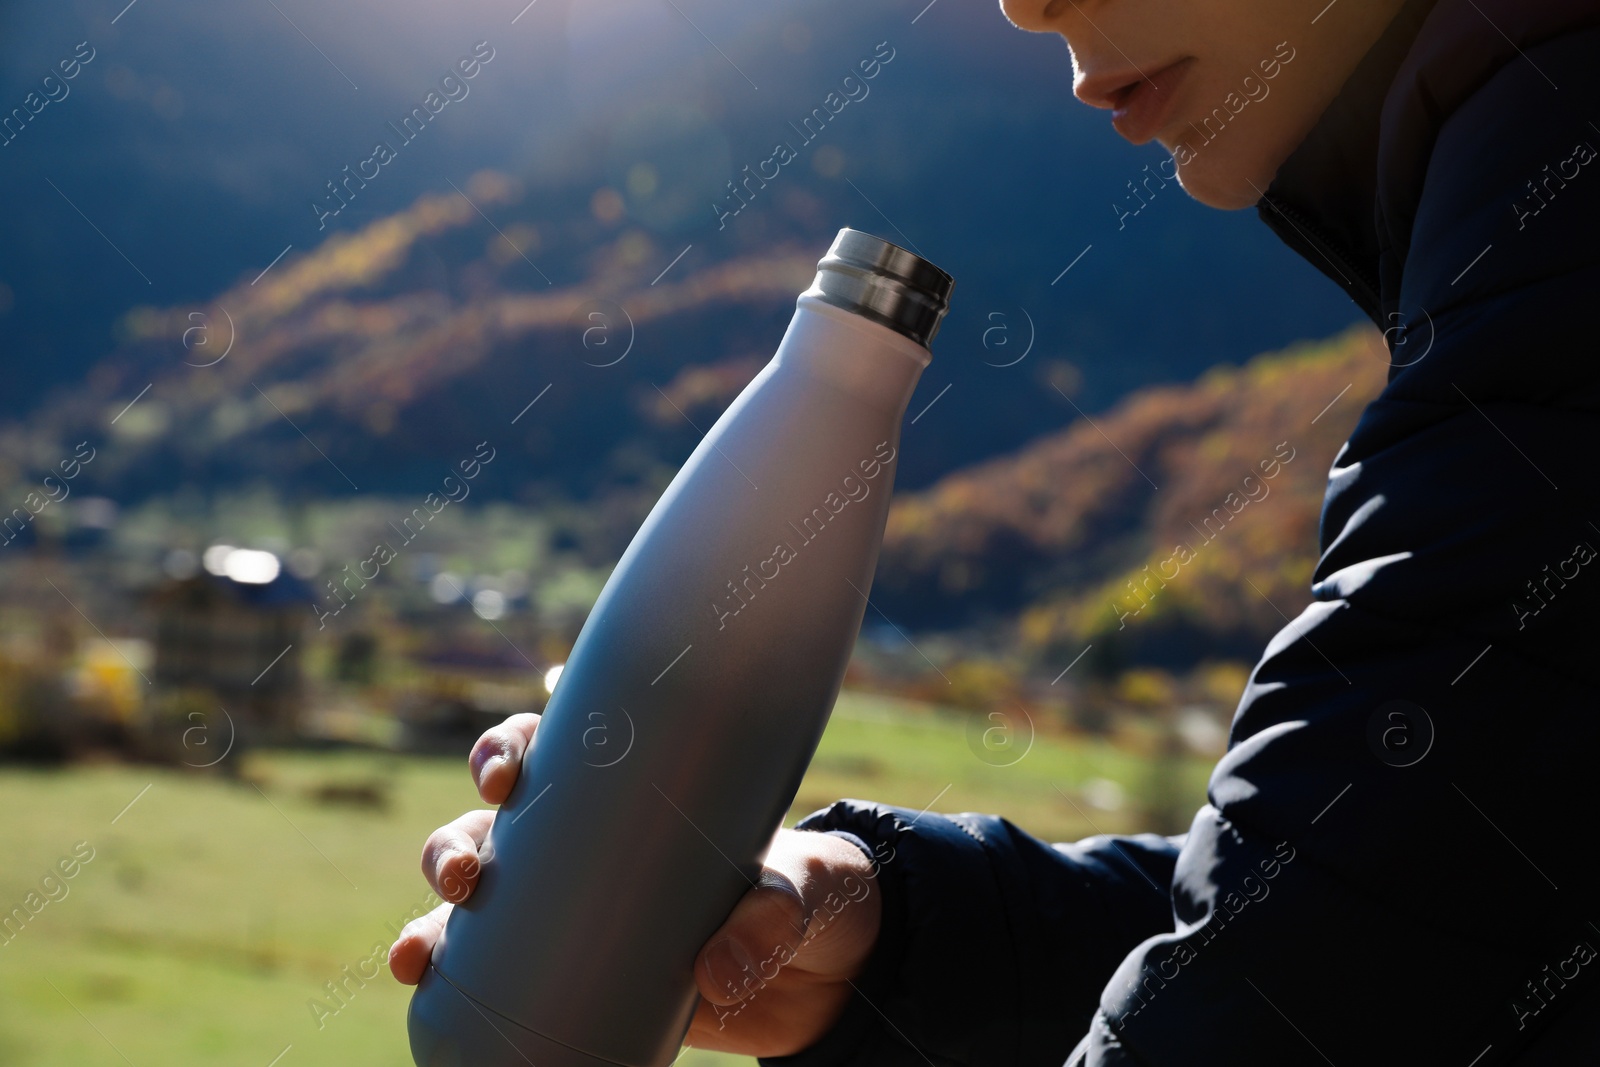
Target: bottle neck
pixel 863 358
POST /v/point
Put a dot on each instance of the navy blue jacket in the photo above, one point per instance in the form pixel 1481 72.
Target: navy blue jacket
pixel 1394 864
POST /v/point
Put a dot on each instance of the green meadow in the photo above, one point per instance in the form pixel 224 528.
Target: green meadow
pixel 213 911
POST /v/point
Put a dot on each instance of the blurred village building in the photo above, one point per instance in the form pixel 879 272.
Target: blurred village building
pixel 215 651
pixel 467 681
pixel 233 635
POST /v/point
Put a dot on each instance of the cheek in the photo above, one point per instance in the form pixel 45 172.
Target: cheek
pixel 1235 154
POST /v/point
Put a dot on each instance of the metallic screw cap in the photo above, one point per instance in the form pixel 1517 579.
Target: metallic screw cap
pixel 885 283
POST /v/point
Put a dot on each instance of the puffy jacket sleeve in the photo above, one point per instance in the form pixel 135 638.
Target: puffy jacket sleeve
pixel 994 944
pixel 1394 866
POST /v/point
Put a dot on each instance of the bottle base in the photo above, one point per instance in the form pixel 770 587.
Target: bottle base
pixel 450 1029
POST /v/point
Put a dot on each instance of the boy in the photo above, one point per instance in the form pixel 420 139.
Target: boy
pixel 1387 870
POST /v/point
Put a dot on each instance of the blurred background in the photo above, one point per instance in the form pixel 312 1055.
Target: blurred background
pixel 272 271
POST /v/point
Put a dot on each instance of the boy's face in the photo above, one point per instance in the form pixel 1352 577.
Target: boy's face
pixel 1229 87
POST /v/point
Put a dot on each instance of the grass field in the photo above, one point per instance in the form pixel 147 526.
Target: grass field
pixel 212 913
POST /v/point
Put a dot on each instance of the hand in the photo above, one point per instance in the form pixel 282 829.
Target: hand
pixel 773 978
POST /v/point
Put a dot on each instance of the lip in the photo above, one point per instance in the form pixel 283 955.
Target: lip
pixel 1142 108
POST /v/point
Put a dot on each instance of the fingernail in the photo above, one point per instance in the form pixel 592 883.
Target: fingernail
pixel 730 969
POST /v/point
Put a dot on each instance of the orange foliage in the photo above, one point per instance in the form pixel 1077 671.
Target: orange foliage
pixel 1061 528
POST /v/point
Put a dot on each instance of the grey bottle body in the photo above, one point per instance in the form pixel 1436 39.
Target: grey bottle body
pixel 684 719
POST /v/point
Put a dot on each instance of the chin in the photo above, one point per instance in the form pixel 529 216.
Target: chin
pixel 1229 184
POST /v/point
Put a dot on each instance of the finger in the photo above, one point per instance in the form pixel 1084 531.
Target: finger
pixel 838 884
pixel 450 855
pixel 408 956
pixel 497 756
pixel 760 937
pixel 779 1020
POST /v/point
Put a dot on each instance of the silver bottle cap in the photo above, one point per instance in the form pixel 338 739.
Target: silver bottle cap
pixel 885 283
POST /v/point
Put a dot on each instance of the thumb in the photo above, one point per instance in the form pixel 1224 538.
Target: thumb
pixel 763 933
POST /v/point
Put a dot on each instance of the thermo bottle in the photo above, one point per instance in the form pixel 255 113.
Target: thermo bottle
pixel 693 700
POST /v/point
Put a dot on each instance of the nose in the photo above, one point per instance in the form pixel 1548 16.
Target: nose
pixel 1064 17
pixel 1035 16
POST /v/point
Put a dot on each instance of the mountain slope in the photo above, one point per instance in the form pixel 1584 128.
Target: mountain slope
pixel 1137 529
pixel 354 367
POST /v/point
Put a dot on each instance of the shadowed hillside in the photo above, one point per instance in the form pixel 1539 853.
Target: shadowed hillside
pixel 357 366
